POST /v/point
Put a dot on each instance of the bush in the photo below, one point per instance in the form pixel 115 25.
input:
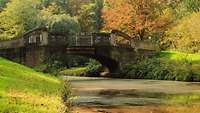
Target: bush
pixel 93 68
pixel 161 69
pixel 52 68
pixel 56 64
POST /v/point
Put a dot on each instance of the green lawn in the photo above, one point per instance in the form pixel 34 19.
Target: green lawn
pixel 174 55
pixel 22 90
pixel 181 56
pixel 75 71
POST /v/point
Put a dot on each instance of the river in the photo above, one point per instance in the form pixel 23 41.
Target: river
pixel 105 95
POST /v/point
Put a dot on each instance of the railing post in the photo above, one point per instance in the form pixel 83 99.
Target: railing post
pixel 92 41
pixel 76 40
pixel 113 42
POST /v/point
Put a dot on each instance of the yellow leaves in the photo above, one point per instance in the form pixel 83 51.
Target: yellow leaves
pixel 186 35
pixel 53 8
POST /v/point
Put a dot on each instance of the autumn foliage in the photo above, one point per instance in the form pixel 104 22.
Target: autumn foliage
pixel 139 18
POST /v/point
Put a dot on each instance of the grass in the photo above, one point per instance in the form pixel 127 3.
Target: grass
pixel 76 71
pixel 181 56
pixel 175 55
pixel 22 90
pixel 182 103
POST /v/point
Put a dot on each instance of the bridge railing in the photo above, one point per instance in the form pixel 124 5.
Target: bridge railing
pixel 93 39
pixel 84 39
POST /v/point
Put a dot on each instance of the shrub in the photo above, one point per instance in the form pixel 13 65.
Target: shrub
pixel 161 69
pixel 55 64
pixel 93 68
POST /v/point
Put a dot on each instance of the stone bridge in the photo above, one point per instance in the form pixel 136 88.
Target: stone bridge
pixel 36 45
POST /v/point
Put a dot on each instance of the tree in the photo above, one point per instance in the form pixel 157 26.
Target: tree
pixel 184 36
pixel 2 4
pixel 191 5
pixel 98 11
pixel 58 21
pixel 18 17
pixel 90 16
pixel 71 7
pixel 139 18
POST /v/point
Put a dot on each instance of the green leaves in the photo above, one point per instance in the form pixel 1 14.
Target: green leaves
pixel 90 16
pixel 192 5
pixel 21 16
pixel 59 21
pixel 18 17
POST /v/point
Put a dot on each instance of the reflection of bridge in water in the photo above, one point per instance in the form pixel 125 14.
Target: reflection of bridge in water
pixel 38 44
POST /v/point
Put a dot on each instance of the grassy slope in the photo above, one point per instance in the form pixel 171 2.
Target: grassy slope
pixel 174 55
pixel 180 56
pixel 22 90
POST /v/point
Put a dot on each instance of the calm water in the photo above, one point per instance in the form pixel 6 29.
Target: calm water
pixel 124 92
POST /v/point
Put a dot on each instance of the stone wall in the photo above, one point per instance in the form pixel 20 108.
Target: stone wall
pixel 14 54
pixel 16 43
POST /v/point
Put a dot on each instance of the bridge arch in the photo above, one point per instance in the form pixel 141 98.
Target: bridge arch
pixel 102 57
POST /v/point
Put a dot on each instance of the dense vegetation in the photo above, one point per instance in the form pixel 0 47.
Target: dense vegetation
pixel 22 90
pixel 63 16
pixel 166 66
pixel 91 68
pixel 171 23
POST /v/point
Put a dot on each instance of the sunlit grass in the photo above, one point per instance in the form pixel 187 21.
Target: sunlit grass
pixel 175 55
pixel 194 59
pixel 22 90
pixel 74 71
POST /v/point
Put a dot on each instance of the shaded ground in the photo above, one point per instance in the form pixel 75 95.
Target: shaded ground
pixel 101 95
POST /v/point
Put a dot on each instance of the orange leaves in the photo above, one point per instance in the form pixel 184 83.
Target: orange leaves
pixel 132 16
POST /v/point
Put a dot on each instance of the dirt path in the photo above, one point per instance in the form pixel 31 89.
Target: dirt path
pixel 101 95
